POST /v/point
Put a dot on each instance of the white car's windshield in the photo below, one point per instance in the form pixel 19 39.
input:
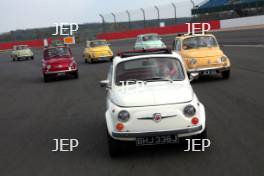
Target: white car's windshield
pixel 149 69
pixel 150 38
pixel 199 42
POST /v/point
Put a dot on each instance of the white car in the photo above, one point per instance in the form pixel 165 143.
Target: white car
pixel 150 100
pixel 149 41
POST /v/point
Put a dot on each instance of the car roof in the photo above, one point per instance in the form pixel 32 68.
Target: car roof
pixel 131 53
pixel 96 40
pixel 148 34
pixel 52 47
pixel 183 36
pixel 21 45
pixel 118 59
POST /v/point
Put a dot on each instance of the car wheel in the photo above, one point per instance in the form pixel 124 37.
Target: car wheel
pixel 76 74
pixel 114 146
pixel 203 135
pixel 85 60
pixel 18 59
pixel 45 78
pixel 91 61
pixel 226 74
pixel 32 57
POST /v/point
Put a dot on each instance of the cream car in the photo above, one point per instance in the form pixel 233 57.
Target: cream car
pixel 21 52
pixel 150 101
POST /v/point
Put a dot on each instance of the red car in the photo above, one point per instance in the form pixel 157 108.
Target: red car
pixel 58 61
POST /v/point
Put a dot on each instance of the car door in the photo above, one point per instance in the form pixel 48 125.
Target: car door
pixel 176 46
pixel 138 44
pixel 109 87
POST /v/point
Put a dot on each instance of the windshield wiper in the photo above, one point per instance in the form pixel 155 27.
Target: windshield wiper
pixel 158 79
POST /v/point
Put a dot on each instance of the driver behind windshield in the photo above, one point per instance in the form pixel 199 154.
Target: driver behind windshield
pixel 149 69
pixel 57 52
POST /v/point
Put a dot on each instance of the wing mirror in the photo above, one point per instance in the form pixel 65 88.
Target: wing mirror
pixel 104 83
pixel 194 76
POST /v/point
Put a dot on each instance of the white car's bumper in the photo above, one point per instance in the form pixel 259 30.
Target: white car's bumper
pixel 135 127
pixel 180 132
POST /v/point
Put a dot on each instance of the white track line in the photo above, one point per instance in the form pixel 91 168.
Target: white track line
pixel 253 46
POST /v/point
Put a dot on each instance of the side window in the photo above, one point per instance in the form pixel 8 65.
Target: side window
pixel 109 75
pixel 173 45
pixel 177 45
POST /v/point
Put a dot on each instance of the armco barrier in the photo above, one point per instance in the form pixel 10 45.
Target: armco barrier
pixel 31 43
pixel 180 28
pixel 241 22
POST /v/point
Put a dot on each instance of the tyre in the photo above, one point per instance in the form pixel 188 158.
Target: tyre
pixel 203 135
pixel 45 78
pixel 114 146
pixel 91 61
pixel 18 59
pixel 85 60
pixel 32 57
pixel 226 74
pixel 76 75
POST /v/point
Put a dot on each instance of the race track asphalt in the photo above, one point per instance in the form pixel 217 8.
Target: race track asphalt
pixel 32 113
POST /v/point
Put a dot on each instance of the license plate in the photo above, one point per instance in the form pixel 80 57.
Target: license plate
pixel 102 58
pixel 61 74
pixel 209 72
pixel 156 140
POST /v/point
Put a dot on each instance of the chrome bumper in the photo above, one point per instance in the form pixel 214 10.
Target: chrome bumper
pixel 62 71
pixel 102 57
pixel 220 69
pixel 156 133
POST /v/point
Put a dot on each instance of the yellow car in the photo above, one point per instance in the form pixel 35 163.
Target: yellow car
pixel 202 54
pixel 97 50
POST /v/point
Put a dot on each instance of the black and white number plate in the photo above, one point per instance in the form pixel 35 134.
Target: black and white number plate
pixel 156 140
pixel 61 74
pixel 209 72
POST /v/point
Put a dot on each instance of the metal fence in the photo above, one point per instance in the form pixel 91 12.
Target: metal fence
pixel 176 12
pixel 148 17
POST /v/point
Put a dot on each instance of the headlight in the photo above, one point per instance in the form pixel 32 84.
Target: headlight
pixel 48 66
pixel 223 59
pixel 193 61
pixel 123 116
pixel 189 111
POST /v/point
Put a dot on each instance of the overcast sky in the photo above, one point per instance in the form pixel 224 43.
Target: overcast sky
pixel 23 14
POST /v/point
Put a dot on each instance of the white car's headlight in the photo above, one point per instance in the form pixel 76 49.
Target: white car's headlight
pixel 189 111
pixel 123 116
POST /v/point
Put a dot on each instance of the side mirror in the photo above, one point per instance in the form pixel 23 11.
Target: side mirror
pixel 104 83
pixel 194 76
